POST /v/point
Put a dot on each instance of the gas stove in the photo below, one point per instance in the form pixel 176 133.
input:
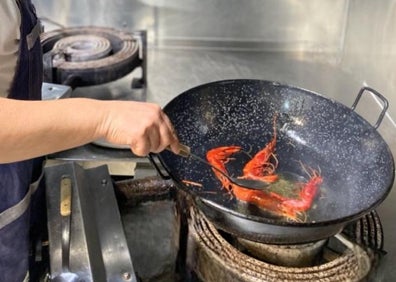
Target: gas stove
pixel 154 232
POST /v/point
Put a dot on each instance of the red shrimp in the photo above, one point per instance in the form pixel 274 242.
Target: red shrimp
pixel 218 157
pixel 306 196
pixel 260 166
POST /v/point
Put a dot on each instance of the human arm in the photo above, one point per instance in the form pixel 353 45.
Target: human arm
pixel 35 128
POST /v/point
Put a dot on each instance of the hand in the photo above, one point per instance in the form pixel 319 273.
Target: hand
pixel 142 126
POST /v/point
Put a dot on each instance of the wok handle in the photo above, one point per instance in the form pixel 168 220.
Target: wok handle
pixel 385 103
pixel 184 152
pixel 152 158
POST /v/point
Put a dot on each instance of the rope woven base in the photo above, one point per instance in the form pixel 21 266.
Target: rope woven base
pixel 212 258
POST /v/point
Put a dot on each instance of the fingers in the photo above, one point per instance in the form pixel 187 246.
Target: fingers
pixel 170 136
pixel 140 148
pixel 155 135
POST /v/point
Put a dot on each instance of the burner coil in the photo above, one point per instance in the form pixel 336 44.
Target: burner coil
pixel 89 55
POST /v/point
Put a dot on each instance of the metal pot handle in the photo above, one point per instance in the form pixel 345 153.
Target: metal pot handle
pixel 385 103
pixel 152 157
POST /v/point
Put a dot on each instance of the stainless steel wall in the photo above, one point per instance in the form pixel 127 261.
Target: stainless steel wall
pixel 252 24
pixel 356 37
pixel 369 51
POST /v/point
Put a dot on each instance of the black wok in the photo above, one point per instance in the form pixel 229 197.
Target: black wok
pixel 355 162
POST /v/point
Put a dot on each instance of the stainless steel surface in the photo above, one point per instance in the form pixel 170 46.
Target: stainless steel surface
pixel 331 47
pixel 65 203
pixel 249 24
pixel 96 247
pixel 51 91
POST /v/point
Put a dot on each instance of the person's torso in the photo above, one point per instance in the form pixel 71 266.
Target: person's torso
pixel 18 197
pixel 10 21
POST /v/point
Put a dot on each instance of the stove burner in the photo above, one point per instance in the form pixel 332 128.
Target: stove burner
pixel 85 56
pixel 211 254
pixel 82 48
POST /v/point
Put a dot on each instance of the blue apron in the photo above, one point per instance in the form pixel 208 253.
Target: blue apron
pixel 16 191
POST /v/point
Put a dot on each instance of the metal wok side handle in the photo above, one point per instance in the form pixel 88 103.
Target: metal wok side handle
pixel 385 103
pixel 152 157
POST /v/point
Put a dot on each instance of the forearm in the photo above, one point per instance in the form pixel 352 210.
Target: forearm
pixel 35 128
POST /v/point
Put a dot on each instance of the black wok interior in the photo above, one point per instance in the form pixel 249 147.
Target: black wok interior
pixel 356 164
